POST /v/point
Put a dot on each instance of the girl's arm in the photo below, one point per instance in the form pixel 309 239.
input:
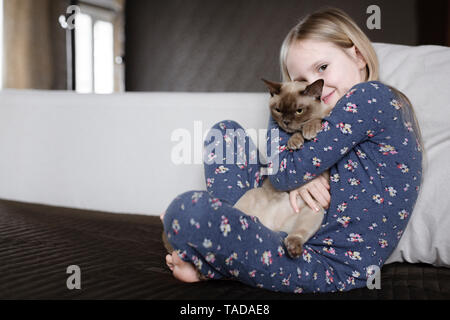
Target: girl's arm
pixel 354 119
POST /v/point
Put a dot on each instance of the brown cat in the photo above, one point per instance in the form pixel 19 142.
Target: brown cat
pixel 298 109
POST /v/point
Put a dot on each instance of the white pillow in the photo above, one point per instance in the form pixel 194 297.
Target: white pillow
pixel 423 74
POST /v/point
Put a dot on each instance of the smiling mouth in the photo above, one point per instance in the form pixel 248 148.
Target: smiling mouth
pixel 326 98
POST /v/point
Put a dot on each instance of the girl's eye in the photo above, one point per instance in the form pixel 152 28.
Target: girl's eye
pixel 299 111
pixel 323 67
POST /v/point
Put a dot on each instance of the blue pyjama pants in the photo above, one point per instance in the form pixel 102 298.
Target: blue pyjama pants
pixel 223 242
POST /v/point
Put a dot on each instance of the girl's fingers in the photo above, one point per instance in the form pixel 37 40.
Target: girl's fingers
pixel 309 200
pixel 293 200
pixel 327 195
pixel 320 194
pixel 325 182
pixel 315 193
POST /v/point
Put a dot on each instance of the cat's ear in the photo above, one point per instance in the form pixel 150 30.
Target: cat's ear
pixel 314 89
pixel 274 87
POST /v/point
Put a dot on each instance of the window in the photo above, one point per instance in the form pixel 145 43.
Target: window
pixel 94 50
pixel 103 57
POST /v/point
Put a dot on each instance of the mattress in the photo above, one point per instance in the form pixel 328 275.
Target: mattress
pixel 121 256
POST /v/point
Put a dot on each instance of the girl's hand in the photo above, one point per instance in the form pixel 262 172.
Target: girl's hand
pixel 313 193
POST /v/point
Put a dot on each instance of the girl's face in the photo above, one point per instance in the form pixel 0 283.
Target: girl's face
pixel 341 69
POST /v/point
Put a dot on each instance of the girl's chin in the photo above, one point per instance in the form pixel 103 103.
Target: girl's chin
pixel 332 102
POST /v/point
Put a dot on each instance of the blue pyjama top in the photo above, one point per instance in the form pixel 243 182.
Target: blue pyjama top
pixel 375 164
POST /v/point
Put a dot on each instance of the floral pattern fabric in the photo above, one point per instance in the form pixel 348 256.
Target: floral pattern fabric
pixel 375 173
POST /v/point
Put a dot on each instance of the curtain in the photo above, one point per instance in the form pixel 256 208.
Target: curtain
pixel 34 44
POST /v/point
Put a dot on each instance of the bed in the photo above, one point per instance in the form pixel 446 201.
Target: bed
pixel 121 256
pixel 80 185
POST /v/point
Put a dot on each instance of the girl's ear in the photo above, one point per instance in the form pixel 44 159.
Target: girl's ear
pixel 274 87
pixel 358 57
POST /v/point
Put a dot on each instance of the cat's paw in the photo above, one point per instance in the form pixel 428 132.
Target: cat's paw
pixel 296 141
pixel 294 246
pixel 311 129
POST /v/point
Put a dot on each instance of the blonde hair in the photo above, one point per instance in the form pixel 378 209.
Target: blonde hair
pixel 335 26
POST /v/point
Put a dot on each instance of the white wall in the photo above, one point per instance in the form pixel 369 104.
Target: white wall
pixel 108 152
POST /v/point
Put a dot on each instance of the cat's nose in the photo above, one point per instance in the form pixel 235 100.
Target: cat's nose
pixel 286 122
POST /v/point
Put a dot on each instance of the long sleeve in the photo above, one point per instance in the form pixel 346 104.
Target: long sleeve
pixel 353 120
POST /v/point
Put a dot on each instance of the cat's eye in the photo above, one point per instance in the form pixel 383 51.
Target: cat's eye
pixel 277 110
pixel 299 111
pixel 323 67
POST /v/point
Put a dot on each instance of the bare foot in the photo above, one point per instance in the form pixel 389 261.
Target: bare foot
pixel 162 216
pixel 182 270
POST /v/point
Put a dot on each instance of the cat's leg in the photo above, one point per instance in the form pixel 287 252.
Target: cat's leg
pixel 308 222
pixel 295 141
pixel 231 162
pixel 311 128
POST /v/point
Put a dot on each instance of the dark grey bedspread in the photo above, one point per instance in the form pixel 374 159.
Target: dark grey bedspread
pixel 121 256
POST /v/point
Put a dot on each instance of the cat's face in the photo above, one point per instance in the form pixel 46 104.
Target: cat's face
pixel 294 103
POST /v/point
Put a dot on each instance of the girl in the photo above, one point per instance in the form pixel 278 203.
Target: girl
pixel 371 144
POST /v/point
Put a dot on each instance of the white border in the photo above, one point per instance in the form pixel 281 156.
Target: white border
pixel 1 44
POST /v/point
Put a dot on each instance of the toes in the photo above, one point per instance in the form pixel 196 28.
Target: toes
pixel 186 272
pixel 176 258
pixel 182 270
pixel 169 262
